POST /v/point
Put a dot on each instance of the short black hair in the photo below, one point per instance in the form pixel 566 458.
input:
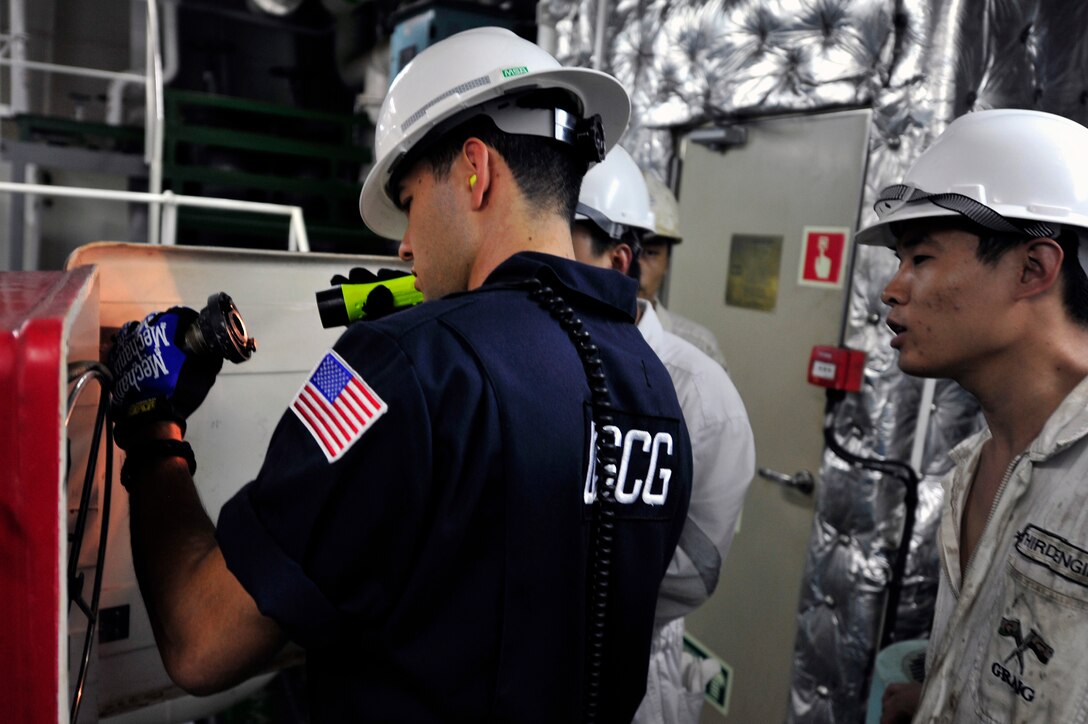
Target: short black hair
pixel 548 172
pixel 601 243
pixel 993 245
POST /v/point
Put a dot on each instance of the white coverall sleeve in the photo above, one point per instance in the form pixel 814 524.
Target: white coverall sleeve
pixel 723 452
pixel 723 463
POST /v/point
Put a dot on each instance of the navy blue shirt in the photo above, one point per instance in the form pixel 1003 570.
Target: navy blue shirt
pixel 436 567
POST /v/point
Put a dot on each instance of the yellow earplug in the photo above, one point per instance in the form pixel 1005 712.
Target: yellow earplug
pixel 472 181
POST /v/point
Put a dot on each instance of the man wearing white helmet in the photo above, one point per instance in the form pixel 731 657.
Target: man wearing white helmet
pixel 613 212
pixel 656 255
pixel 466 511
pixel 988 225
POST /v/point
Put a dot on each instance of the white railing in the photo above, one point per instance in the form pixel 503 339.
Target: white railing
pixel 297 239
pixel 65 69
pixel 162 206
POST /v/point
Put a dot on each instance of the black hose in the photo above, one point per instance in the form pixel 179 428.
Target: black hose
pixel 907 475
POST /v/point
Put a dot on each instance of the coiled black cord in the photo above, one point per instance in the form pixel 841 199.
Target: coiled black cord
pixel 607 459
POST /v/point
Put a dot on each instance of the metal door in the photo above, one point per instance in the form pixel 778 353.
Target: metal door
pixel 746 206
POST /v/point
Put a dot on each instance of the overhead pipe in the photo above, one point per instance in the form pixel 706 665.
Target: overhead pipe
pixel 546 37
pixel 154 120
pixel 921 424
pixel 598 36
pixel 115 94
pixel 20 91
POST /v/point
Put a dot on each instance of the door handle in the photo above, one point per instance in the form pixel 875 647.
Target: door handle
pixel 802 481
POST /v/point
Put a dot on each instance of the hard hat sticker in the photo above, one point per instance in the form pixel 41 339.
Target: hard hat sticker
pixel 337 406
pixel 514 72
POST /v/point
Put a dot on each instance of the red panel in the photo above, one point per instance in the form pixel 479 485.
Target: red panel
pixel 34 309
pixel 839 368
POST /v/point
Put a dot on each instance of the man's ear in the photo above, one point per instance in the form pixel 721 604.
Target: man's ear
pixel 1042 265
pixel 621 256
pixel 477 159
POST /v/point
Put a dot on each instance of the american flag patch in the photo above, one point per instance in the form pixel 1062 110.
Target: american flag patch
pixel 337 406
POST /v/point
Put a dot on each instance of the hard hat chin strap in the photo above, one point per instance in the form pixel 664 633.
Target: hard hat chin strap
pixel 895 197
pixel 557 124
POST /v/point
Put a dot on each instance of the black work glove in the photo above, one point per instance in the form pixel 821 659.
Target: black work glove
pixel 153 377
pixel 362 275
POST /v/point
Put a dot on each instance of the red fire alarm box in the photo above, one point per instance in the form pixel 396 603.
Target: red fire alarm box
pixel 836 367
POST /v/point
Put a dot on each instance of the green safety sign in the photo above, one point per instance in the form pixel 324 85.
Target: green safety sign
pixel 719 687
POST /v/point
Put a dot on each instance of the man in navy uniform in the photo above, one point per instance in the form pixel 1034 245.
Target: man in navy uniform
pixel 431 521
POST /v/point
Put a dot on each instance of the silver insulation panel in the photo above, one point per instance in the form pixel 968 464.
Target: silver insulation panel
pixel 918 64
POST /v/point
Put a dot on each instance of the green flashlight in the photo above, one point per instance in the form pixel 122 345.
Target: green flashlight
pixel 347 303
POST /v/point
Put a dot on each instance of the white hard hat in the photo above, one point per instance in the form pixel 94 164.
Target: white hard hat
pixel 614 196
pixel 455 79
pixel 1011 171
pixel 665 207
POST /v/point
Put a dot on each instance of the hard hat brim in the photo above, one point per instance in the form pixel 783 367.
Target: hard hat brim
pixel 880 232
pixel 656 238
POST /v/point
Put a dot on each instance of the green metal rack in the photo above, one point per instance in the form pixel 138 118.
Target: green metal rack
pixel 256 151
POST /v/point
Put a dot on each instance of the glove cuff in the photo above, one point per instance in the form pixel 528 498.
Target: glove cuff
pixel 155 450
pixel 151 411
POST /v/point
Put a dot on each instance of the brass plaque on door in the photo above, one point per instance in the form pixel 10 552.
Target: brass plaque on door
pixel 754 264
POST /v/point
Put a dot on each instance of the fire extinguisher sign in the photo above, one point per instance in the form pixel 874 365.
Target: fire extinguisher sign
pixel 823 256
